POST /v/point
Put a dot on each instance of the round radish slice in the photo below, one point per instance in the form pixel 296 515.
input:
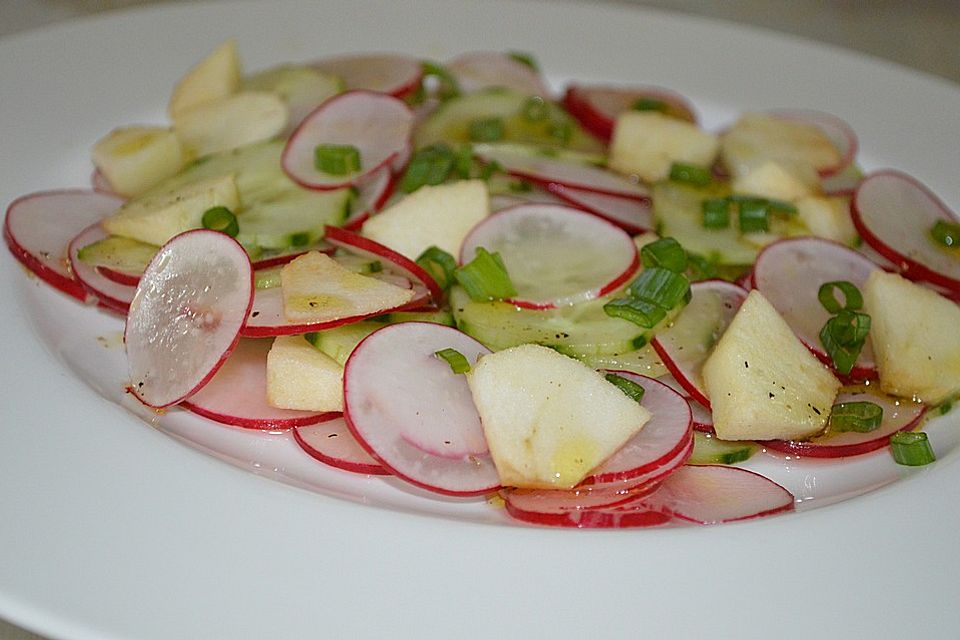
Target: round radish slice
pixel 597 107
pixel 376 124
pixel 632 215
pixel 413 414
pixel 702 417
pixel 898 415
pixel 110 293
pixel 837 130
pixel 186 316
pixel 489 69
pixel 688 342
pixel 120 277
pixel 555 255
pixel 372 193
pixel 237 394
pixel 658 473
pixel 711 494
pixel 843 183
pixel 666 434
pixel 588 507
pixel 576 175
pixel 278 258
pixel 789 274
pixel 394 74
pixel 39 227
pixel 894 213
pixel 100 183
pixel 332 443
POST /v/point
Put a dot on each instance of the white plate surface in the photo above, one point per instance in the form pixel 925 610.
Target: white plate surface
pixel 111 529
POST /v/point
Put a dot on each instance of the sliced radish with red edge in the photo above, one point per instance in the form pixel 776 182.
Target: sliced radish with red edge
pixel 372 193
pixel 391 73
pixel 632 215
pixel 836 129
pixel 332 443
pixel 488 69
pixel 597 107
pixel 108 291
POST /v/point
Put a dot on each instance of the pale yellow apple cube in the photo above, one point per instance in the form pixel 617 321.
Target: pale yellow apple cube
pixel 302 377
pixel 135 159
pixel 234 121
pixel 216 76
pixel 828 217
pixel 773 180
pixel 757 138
pixel 647 143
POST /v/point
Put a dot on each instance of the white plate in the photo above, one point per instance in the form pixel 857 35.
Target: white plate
pixel 111 529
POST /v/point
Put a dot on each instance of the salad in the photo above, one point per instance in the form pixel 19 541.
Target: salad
pixel 587 305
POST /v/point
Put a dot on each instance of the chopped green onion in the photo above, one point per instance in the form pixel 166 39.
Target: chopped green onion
pixel 639 312
pixel 375 267
pixel 447 85
pixel 843 337
pixel 911 448
pixel 519 186
pixel 690 174
pixel 300 239
pixel 220 219
pixel 336 159
pixel 754 215
pixel 716 213
pixel 649 104
pixel 701 268
pixel 525 58
pixel 458 363
pixel 535 109
pixel 861 417
pixel 463 161
pixel 630 388
pixel 852 300
pixel 562 132
pixel 782 207
pixel 661 287
pixel 489 169
pixel 439 264
pixel 666 253
pixel 946 233
pixel 485 277
pixel 429 166
pixel 487 130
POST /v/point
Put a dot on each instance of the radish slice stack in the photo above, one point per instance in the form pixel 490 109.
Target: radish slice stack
pixel 101 283
pixel 376 124
pixel 39 227
pixel 894 214
pixel 632 215
pixel 837 130
pixel 424 428
pixel 687 343
pixel 489 69
pixel 373 193
pixel 789 274
pixel 555 255
pixel 332 443
pixel 389 73
pixel 186 316
pixel 597 107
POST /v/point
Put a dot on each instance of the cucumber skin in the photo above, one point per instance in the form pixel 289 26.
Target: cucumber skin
pixel 117 252
pixel 339 342
pixel 710 450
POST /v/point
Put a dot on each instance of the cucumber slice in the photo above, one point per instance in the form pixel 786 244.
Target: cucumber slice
pixel 267 278
pixel 546 125
pixel 575 330
pixel 303 88
pixel 708 449
pixel 339 342
pixel 644 361
pixel 119 253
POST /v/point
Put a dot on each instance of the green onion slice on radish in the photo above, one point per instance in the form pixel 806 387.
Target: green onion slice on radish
pixel 336 159
pixel 220 219
pixel 458 363
pixel 439 264
pixel 666 253
pixel 852 300
pixel 911 448
pixel 861 417
pixel 630 388
pixel 485 277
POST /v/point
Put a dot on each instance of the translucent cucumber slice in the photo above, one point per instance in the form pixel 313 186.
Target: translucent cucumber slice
pixel 708 449
pixel 301 87
pixel 118 253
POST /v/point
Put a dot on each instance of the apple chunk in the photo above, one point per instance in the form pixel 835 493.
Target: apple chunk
pixel 646 143
pixel 216 76
pixel 549 419
pixel 135 159
pixel 300 376
pixel 915 337
pixel 762 382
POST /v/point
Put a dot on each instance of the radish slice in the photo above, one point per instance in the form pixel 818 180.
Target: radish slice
pixel 593 518
pixel 837 130
pixel 39 227
pixel 120 277
pixel 109 292
pixel 663 437
pixel 359 245
pixel 547 171
pixel 99 182
pixel 702 417
pixel 186 316
pixel 789 274
pixel 489 69
pixel 394 74
pixel 597 107
pixel 237 394
pixel 373 193
pixel 632 215
pixel 657 474
pixel 332 443
pixel 589 506
pixel 376 124
pixel 711 494
pixel 688 342
pixel 844 183
pixel 898 415
pixel 555 255
pixel 275 259
pixel 423 428
pixel 894 213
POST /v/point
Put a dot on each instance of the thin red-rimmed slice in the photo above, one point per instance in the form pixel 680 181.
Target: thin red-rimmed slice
pixel 555 255
pixel 789 274
pixel 237 394
pixel 657 474
pixel 108 291
pixel 488 69
pixel 362 246
pixel 597 107
pixel 120 277
pixel 894 213
pixel 711 494
pixel 702 417
pixel 332 443
pixel 275 259
pixel 632 215
pixel 377 124
pixel 39 227
pixel 391 73
pixel 898 415
pixel 576 175
pixel 186 316
pixel 373 193
pixel 836 129
pixel 844 183
pixel 595 506
pixel 688 342
pixel 402 403
pixel 99 182
pixel 663 437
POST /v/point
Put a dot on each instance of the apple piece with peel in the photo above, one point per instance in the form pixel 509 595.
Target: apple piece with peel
pixel 234 121
pixel 300 376
pixel 216 76
pixel 316 289
pixel 549 419
pixel 915 338
pixel 439 216
pixel 646 143
pixel 135 159
pixel 762 382
pixel 158 217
